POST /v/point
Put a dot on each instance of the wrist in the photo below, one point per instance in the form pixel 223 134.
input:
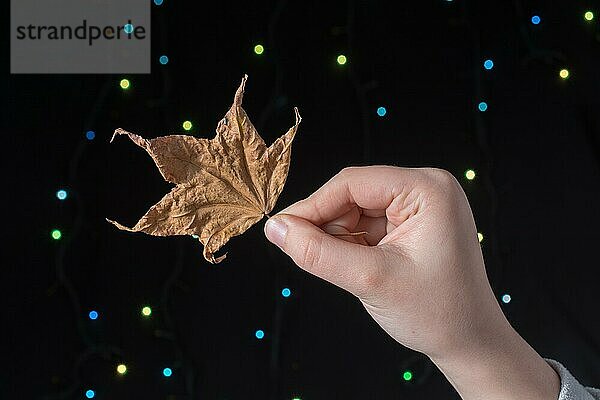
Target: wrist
pixel 499 364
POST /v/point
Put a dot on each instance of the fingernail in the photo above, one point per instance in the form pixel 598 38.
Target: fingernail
pixel 275 230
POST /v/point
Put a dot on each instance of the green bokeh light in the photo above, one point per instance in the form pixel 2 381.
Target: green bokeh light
pixel 588 15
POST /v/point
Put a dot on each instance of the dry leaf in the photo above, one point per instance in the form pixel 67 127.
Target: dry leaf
pixel 223 185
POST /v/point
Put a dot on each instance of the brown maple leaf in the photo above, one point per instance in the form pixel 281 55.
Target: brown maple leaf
pixel 223 186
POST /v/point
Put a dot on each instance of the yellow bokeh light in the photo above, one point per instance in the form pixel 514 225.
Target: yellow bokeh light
pixel 480 236
pixel 187 125
pixel 121 369
pixel 564 73
pixel 588 16
pixel 341 59
pixel 146 311
pixel 470 174
pixel 259 49
pixel 125 84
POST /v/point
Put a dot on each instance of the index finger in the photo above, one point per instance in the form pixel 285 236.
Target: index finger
pixel 370 188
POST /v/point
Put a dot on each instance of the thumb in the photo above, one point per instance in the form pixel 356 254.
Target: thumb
pixel 354 267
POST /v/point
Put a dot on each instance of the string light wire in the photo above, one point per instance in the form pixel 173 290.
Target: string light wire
pixel 360 89
pixel 91 347
pixel 494 262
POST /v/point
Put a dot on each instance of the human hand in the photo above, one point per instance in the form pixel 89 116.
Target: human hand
pixel 418 271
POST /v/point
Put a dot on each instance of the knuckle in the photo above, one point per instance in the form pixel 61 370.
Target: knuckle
pixel 347 171
pixel 442 177
pixel 310 258
pixel 370 280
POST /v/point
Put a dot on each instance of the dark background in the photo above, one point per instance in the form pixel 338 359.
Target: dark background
pixel 535 197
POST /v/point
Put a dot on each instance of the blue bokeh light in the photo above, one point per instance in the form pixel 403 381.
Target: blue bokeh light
pixel 506 298
pixel 61 194
pixel 158 2
pixel 163 59
pixel 482 106
pixel 90 135
pixel 286 292
pixel 381 111
pixel 488 64
pixel 259 334
pixel 536 20
pixel 167 372
pixel 93 315
pixel 128 28
pixel 90 394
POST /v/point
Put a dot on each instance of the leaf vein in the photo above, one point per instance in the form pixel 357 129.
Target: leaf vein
pixel 220 177
pixel 214 205
pixel 245 159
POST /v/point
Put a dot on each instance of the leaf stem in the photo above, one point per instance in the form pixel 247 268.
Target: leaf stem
pixel 350 233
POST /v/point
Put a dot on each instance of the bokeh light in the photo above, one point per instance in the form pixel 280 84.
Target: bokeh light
pixel 90 135
pixel 93 315
pixel 163 59
pixel 407 376
pixel 146 311
pixel 482 106
pixel 506 298
pixel 128 28
pixel 167 372
pixel 125 84
pixel 536 20
pixel 381 111
pixel 470 174
pixel 259 334
pixel 259 49
pixel 480 237
pixel 286 292
pixel 564 73
pixel 158 2
pixel 187 125
pixel 56 234
pixel 488 64
pixel 90 394
pixel 341 59
pixel 122 369
pixel 61 194
pixel 588 15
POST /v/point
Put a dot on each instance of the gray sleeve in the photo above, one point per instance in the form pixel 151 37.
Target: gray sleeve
pixel 570 389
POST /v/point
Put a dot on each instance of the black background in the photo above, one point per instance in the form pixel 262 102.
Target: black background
pixel 535 198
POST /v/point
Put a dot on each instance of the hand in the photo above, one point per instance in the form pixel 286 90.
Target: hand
pixel 418 271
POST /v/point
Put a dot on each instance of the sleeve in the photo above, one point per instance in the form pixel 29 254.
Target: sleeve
pixel 570 388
